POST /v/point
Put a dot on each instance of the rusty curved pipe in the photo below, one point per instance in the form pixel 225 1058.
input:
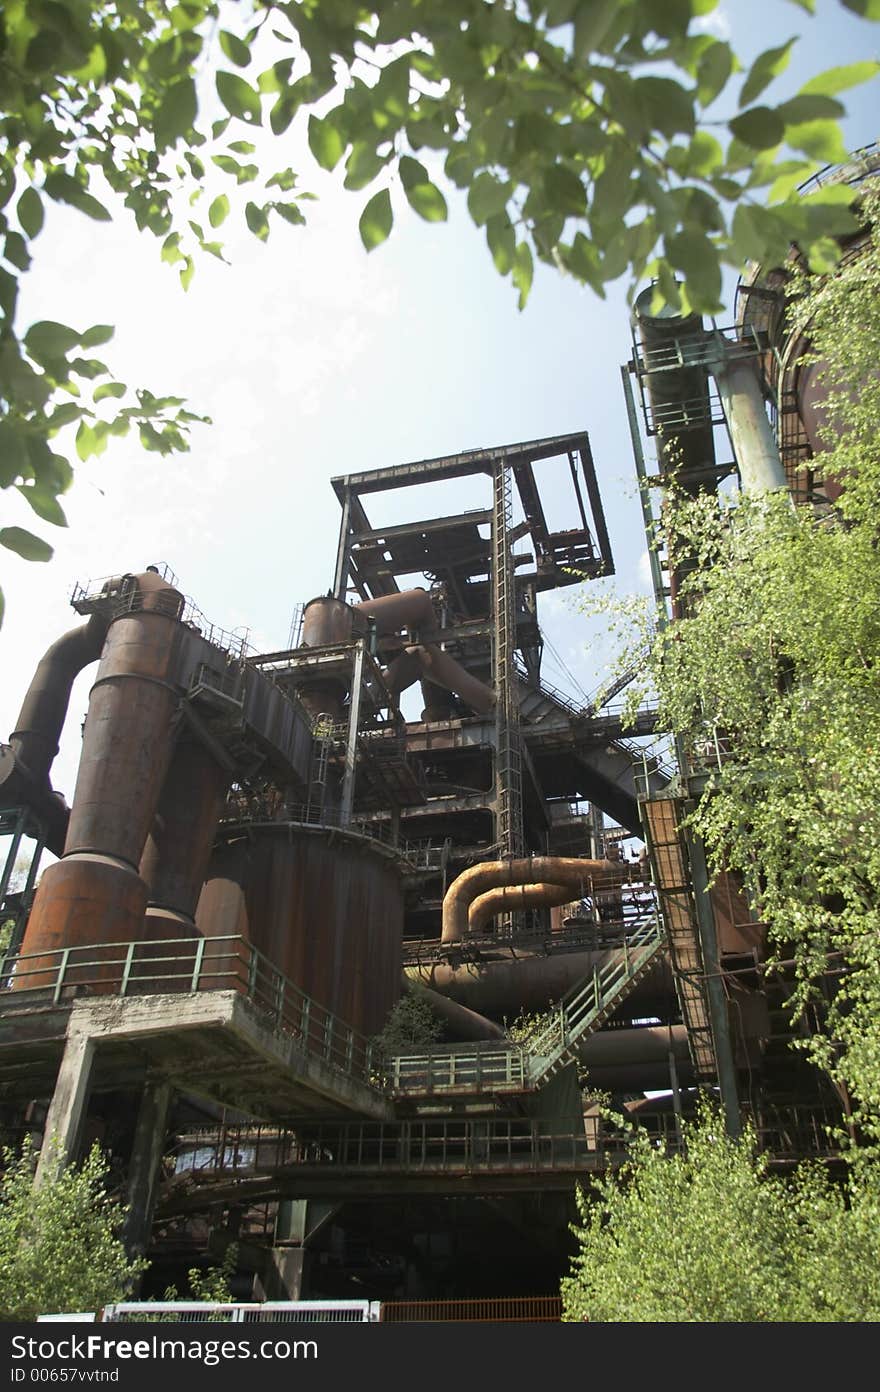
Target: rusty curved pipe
pixel 26 762
pixel 432 664
pixel 44 709
pixel 495 874
pixel 513 899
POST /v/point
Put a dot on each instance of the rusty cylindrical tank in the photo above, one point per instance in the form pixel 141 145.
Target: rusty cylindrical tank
pixel 326 909
pixel 326 623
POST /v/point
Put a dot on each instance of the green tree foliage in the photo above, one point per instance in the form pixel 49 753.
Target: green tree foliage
pixel 59 1245
pixel 583 133
pixel 708 1235
pixel 775 664
pixel 411 1024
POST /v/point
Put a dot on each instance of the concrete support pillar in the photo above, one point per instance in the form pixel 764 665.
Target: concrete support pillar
pixel 297 1223
pixel 144 1165
pixel 67 1108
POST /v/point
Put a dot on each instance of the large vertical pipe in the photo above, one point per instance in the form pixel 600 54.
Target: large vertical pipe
pixel 751 435
pixel 41 718
pixel 178 849
pixel 94 894
pixel 354 714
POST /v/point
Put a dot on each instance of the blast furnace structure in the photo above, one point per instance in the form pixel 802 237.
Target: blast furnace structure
pixel 265 853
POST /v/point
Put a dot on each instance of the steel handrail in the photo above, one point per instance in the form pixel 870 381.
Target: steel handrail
pixel 221 963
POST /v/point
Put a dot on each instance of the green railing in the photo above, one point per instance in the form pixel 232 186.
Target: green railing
pixel 473 1068
pixel 203 1155
pixel 588 1004
pixel 190 965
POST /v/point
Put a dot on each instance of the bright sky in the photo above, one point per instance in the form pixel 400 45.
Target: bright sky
pixel 314 359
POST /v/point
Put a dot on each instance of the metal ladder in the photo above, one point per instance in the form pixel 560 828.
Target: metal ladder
pixel 508 769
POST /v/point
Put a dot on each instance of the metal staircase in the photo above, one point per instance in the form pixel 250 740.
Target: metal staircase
pixel 589 1004
pixel 496 1069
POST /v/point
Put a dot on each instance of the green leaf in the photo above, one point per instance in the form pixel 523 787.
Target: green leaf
pixel 668 107
pixel 13 453
pixel 821 140
pixel 811 107
pixel 64 189
pixel 219 210
pixel 412 172
pixel 48 340
pixel 523 272
pixel 44 503
pixel 177 113
pixel 110 389
pixel 704 154
pixel 362 166
pixel 15 250
pixel 66 414
pixel 282 114
pixel 96 335
pixel 236 51
pixel 427 201
pixel 487 196
pixel 715 68
pixel 760 128
pixel 835 80
pixel 291 212
pixel 256 219
pixel 376 220
pixel 25 544
pixel 325 140
pixel 502 242
pixel 564 191
pixel 239 97
pixel 868 9
pixel 30 212
pixel 762 72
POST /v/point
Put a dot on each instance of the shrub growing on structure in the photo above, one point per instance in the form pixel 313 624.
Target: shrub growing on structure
pixel 411 1025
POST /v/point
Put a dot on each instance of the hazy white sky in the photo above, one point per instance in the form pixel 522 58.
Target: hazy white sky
pixel 314 359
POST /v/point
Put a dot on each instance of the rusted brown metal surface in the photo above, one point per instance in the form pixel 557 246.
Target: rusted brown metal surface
pixel 512 1309
pixel 527 982
pixel 127 739
pixel 178 848
pixel 496 874
pixel 84 899
pixel 327 910
pixel 94 894
pixel 26 762
pixel 514 899
pixel 326 621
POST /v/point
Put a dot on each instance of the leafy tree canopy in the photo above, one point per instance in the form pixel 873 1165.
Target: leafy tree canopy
pixel 708 1235
pixel 582 132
